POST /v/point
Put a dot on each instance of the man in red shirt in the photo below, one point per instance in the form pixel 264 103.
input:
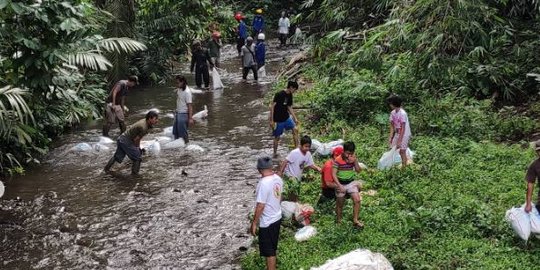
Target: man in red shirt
pixel 327 184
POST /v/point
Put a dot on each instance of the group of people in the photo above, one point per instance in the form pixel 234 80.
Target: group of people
pixel 338 174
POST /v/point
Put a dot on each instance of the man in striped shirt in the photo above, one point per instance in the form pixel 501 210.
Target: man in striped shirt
pixel 344 173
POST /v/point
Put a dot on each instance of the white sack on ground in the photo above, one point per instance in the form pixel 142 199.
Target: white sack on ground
pixel 360 259
pixel 392 157
pixel 288 208
pixel 535 220
pixel 164 139
pixel 305 233
pixel 178 143
pixel 327 148
pixel 216 79
pixel 262 72
pixel 81 147
pixel 2 189
pixel 167 132
pixel 105 140
pixel 520 222
pixel 194 148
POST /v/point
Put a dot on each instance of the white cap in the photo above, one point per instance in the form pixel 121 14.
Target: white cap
pixel 260 36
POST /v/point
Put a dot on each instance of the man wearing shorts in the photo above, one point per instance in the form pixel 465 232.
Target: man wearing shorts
pixel 129 143
pixel 115 104
pixel 282 115
pixel 344 172
pixel 268 211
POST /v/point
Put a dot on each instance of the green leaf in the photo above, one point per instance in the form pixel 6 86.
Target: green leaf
pixel 3 3
pixel 70 25
pixel 18 8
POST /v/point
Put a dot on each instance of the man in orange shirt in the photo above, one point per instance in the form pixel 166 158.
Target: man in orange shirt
pixel 328 185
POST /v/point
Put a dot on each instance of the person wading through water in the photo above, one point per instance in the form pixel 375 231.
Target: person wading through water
pixel 116 104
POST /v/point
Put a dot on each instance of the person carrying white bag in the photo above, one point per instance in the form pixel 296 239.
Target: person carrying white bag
pixel 400 130
pixel 533 175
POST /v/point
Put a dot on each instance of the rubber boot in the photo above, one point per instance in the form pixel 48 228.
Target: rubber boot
pixel 135 167
pixel 106 128
pixel 122 127
pixel 109 164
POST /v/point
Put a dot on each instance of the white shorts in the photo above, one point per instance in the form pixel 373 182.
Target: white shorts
pixel 404 143
pixel 350 188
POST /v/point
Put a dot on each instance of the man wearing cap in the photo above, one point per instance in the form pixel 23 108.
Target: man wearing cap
pixel 214 47
pixel 268 211
pixel 248 59
pixel 242 32
pixel 258 22
pixel 115 106
pixel 533 175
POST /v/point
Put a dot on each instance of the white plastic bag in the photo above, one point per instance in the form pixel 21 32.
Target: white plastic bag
pixel 357 259
pixel 535 221
pixel 168 131
pixel 315 144
pixel 327 148
pixel 154 148
pixel 387 160
pixel 105 140
pixel 262 72
pixel 216 80
pixel 163 139
pixel 202 114
pixel 288 208
pixel 178 143
pixel 98 147
pixel 520 221
pixel 194 148
pixel 81 147
pixel 2 189
pixel 305 233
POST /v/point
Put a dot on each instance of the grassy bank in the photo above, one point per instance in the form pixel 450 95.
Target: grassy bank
pixel 444 212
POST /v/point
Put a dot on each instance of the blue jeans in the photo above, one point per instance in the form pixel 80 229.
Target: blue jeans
pixel 180 126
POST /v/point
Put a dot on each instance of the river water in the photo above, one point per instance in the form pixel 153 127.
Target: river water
pixel 67 214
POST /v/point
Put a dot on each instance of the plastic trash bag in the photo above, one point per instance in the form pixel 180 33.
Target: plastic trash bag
pixel 81 147
pixel 98 147
pixel 535 221
pixel 178 143
pixel 216 80
pixel 194 148
pixel 202 114
pixel 303 213
pixel 163 139
pixel 360 259
pixel 288 208
pixel 327 148
pixel 2 189
pixel 105 140
pixel 305 233
pixel 392 157
pixel 315 144
pixel 168 131
pixel 262 72
pixel 154 148
pixel 520 222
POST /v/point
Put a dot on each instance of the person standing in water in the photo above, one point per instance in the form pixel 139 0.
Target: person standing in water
pixel 200 57
pixel 116 104
pixel 183 117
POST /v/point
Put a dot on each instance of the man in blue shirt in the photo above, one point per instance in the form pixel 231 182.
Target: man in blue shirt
pixel 242 32
pixel 258 22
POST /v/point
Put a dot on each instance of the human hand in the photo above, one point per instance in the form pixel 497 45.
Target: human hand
pixel 191 122
pixel 528 208
pixel 341 188
pixel 253 229
pixel 272 125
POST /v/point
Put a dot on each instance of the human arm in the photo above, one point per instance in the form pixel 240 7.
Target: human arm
pixel 282 167
pixel 391 135
pixel 190 114
pixel 115 91
pixel 336 181
pixel 291 112
pixel 271 117
pixel 528 204
pixel 258 212
pixel 315 167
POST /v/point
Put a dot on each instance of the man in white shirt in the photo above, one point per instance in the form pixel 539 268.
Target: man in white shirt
pixel 268 211
pixel 283 29
pixel 293 166
pixel 183 116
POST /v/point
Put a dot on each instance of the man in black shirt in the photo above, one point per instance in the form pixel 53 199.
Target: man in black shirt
pixel 115 104
pixel 282 115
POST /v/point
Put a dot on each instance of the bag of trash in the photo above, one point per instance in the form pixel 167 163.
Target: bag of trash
pixel 194 148
pixel 288 208
pixel 98 147
pixel 303 213
pixel 81 147
pixel 327 148
pixel 535 220
pixel 397 156
pixel 387 159
pixel 262 72
pixel 168 131
pixel 154 148
pixel 2 189
pixel 105 140
pixel 315 144
pixel 216 80
pixel 178 143
pixel 305 233
pixel 520 222
pixel 357 259
pixel 163 139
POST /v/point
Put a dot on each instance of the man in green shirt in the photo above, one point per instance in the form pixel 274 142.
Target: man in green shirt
pixel 129 142
pixel 214 47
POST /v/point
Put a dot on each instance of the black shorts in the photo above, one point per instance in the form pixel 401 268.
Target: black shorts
pixel 268 239
pixel 329 193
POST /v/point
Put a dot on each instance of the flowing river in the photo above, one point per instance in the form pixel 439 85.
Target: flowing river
pixel 67 214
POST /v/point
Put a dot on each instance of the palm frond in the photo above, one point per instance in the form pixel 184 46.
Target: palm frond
pixel 121 45
pixel 91 60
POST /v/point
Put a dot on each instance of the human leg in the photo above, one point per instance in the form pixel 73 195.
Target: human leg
pixel 180 127
pixel 271 263
pixel 122 126
pixel 206 77
pixel 340 201
pixel 198 76
pixel 276 142
pixel 255 73
pixel 268 243
pixel 356 208
pixel 245 72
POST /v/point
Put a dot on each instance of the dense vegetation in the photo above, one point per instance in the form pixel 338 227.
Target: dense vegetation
pixel 467 71
pixel 59 58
